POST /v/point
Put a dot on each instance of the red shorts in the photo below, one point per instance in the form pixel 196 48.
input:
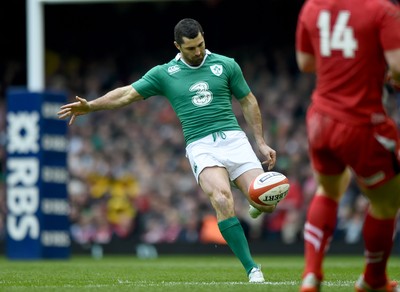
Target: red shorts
pixel 371 151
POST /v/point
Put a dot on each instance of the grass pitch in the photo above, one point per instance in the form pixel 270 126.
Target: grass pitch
pixel 174 273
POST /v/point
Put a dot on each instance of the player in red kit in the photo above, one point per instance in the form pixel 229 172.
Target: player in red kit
pixel 352 46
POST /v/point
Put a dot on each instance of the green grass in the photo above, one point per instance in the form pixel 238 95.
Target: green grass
pixel 173 273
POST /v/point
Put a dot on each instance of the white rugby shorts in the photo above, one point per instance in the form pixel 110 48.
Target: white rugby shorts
pixel 229 149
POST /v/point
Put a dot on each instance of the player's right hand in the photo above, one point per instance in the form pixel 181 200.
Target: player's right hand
pixel 74 109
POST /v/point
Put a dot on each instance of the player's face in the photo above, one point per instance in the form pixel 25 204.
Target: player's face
pixel 193 50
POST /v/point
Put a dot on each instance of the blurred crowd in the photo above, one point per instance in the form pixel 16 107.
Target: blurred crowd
pixel 130 179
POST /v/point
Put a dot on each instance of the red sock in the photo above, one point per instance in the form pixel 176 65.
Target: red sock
pixel 318 231
pixel 378 240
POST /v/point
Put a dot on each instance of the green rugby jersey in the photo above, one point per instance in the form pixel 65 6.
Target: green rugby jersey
pixel 200 96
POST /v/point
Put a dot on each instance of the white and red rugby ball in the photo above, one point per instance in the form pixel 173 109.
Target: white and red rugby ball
pixel 269 188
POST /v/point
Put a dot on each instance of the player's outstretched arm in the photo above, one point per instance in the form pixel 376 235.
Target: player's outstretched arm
pixel 114 99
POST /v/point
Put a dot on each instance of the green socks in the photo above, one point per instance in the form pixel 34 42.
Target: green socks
pixel 233 233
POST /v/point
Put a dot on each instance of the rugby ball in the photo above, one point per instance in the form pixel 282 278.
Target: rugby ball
pixel 269 188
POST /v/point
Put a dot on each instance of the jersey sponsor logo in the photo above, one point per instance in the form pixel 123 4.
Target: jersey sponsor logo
pixel 173 69
pixel 216 69
pixel 203 96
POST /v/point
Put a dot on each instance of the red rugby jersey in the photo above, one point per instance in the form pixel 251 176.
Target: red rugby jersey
pixel 348 38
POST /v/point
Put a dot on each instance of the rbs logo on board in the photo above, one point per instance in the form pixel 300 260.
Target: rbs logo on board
pixel 23 174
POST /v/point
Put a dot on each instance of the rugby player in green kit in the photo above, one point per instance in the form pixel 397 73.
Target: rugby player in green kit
pixel 199 86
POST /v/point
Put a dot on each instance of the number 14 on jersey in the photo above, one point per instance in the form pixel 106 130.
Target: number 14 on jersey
pixel 340 37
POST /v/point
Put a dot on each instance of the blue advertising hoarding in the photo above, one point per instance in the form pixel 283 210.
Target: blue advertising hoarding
pixel 37 221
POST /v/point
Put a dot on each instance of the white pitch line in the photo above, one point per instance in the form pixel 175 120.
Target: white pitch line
pixel 130 283
pixel 213 283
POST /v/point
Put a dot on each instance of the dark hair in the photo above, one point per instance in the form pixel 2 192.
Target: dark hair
pixel 188 28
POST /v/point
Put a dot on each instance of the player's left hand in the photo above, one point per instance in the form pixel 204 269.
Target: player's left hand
pixel 270 156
